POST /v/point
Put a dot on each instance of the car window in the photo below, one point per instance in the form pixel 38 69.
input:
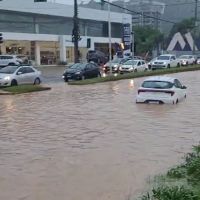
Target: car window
pixel 29 70
pixel 8 70
pixel 177 83
pixel 88 67
pixel 173 58
pixel 163 58
pixel 157 84
pixel 22 70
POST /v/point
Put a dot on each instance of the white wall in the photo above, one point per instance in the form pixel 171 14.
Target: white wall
pixel 55 9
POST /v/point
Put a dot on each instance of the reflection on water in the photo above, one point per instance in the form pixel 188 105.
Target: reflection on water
pixel 91 142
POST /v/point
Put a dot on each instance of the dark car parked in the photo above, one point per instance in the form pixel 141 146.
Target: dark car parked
pixel 97 57
pixel 81 71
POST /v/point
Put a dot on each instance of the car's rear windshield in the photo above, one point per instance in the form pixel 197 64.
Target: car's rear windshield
pixel 130 62
pixel 78 66
pixel 8 70
pixel 157 84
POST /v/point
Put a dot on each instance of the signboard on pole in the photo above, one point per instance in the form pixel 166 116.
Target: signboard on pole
pixel 127 36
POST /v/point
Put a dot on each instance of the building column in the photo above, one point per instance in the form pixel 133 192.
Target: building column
pixel 3 49
pixel 62 49
pixel 37 53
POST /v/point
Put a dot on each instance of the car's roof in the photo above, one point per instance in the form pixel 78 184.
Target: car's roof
pixel 160 78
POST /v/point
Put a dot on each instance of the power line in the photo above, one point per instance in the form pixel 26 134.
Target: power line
pixel 139 13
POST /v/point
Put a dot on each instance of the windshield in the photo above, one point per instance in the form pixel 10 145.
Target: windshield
pixel 77 66
pixel 117 60
pixel 185 57
pixel 8 70
pixel 130 62
pixel 163 58
pixel 157 84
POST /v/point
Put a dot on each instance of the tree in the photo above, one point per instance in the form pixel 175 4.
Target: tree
pixel 183 27
pixel 146 39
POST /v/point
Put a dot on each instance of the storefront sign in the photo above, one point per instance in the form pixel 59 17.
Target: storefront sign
pixel 127 36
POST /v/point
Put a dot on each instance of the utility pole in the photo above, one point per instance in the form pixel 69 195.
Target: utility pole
pixel 195 25
pixel 109 35
pixel 75 32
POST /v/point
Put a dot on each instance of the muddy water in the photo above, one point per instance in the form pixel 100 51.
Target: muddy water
pixel 91 142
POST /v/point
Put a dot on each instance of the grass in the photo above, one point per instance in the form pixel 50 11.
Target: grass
pixel 24 89
pixel 181 182
pixel 135 75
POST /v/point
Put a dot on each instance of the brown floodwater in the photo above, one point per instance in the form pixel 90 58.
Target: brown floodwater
pixel 92 142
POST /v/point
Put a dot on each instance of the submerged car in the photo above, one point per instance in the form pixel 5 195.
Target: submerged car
pixel 133 66
pixel 161 89
pixel 17 75
pixel 114 64
pixel 187 60
pixel 81 71
pixel 165 61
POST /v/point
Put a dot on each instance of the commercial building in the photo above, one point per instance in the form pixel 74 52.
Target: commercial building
pixel 145 12
pixel 43 31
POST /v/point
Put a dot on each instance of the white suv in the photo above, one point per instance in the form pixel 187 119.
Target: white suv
pixel 6 60
pixel 165 61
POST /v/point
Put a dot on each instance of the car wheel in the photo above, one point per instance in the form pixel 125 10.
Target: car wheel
pixel 14 83
pixel 135 70
pixel 178 65
pixel 168 66
pixel 145 69
pixel 176 101
pixel 37 81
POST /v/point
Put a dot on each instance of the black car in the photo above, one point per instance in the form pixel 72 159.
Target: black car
pixel 81 71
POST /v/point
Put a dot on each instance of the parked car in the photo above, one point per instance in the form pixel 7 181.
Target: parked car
pixel 96 56
pixel 165 61
pixel 6 60
pixel 161 89
pixel 187 60
pixel 81 71
pixel 198 60
pixel 150 63
pixel 17 75
pixel 133 66
pixel 115 64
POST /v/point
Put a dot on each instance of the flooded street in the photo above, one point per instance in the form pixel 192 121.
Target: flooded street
pixel 92 142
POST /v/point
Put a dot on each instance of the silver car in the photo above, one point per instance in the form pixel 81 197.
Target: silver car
pixel 17 75
pixel 133 66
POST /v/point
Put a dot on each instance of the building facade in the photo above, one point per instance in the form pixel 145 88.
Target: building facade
pixel 144 12
pixel 43 31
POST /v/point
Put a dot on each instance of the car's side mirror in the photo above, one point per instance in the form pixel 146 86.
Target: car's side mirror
pixel 19 73
pixel 183 87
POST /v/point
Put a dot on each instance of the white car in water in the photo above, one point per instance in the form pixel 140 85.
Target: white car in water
pixel 161 89
pixel 17 75
pixel 133 66
pixel 187 60
pixel 165 61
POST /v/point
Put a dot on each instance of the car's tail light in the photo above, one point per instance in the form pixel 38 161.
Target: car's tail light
pixel 162 91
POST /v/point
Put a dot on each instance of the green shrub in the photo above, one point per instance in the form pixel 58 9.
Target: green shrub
pixel 171 193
